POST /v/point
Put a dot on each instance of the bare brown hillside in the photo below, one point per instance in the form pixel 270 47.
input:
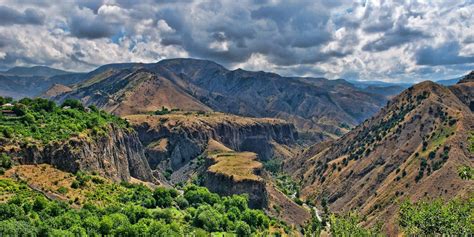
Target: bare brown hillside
pixel 323 108
pixel 411 149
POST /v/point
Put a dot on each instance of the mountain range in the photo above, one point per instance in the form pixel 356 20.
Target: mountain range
pixel 318 106
pixel 305 150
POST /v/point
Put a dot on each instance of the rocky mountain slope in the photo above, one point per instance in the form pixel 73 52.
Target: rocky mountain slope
pixel 412 149
pixel 173 140
pixel 317 105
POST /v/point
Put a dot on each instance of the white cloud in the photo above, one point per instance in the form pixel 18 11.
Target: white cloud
pixel 370 40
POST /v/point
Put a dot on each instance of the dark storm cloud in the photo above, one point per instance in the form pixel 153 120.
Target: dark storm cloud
pixel 447 54
pixel 287 33
pixel 166 41
pixel 9 16
pixel 90 27
pixel 396 37
pixel 94 5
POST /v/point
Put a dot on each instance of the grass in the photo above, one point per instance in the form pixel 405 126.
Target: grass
pixel 238 165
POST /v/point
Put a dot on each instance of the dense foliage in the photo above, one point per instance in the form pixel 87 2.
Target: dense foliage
pixel 42 120
pixel 5 163
pixel 454 218
pixel 134 210
pixel 349 225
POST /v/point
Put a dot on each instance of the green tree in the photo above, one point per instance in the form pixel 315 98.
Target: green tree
pixel 208 218
pixel 242 229
pixel 164 196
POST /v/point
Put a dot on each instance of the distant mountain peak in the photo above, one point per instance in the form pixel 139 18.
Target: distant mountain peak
pixel 42 71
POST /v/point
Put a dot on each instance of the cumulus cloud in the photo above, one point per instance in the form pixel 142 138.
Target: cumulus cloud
pixel 446 54
pixel 382 40
pixel 395 37
pixel 85 24
pixel 10 16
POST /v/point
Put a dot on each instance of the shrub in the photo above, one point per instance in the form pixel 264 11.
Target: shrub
pixel 62 190
pixel 75 184
pixel 466 172
pixel 298 201
pixel 5 161
pixel 74 104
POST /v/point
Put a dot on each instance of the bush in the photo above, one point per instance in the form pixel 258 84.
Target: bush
pixel 273 165
pixel 75 184
pixel 74 104
pixel 5 161
pixel 298 201
pixel 163 111
pixel 62 190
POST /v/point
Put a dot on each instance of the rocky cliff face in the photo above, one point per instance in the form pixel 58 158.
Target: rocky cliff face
pixel 228 172
pixel 117 155
pixel 178 138
pixel 228 185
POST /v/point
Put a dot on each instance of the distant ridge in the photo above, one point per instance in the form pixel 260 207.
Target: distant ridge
pixel 41 71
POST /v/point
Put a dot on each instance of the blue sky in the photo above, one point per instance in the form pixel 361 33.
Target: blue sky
pixel 405 41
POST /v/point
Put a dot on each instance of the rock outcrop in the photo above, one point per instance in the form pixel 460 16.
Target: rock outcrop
pixel 117 155
pixel 180 137
pixel 232 172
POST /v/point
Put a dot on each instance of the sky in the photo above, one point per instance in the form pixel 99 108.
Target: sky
pixel 399 41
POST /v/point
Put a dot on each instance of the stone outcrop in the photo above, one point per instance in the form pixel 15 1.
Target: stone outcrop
pixel 227 185
pixel 117 155
pixel 182 137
